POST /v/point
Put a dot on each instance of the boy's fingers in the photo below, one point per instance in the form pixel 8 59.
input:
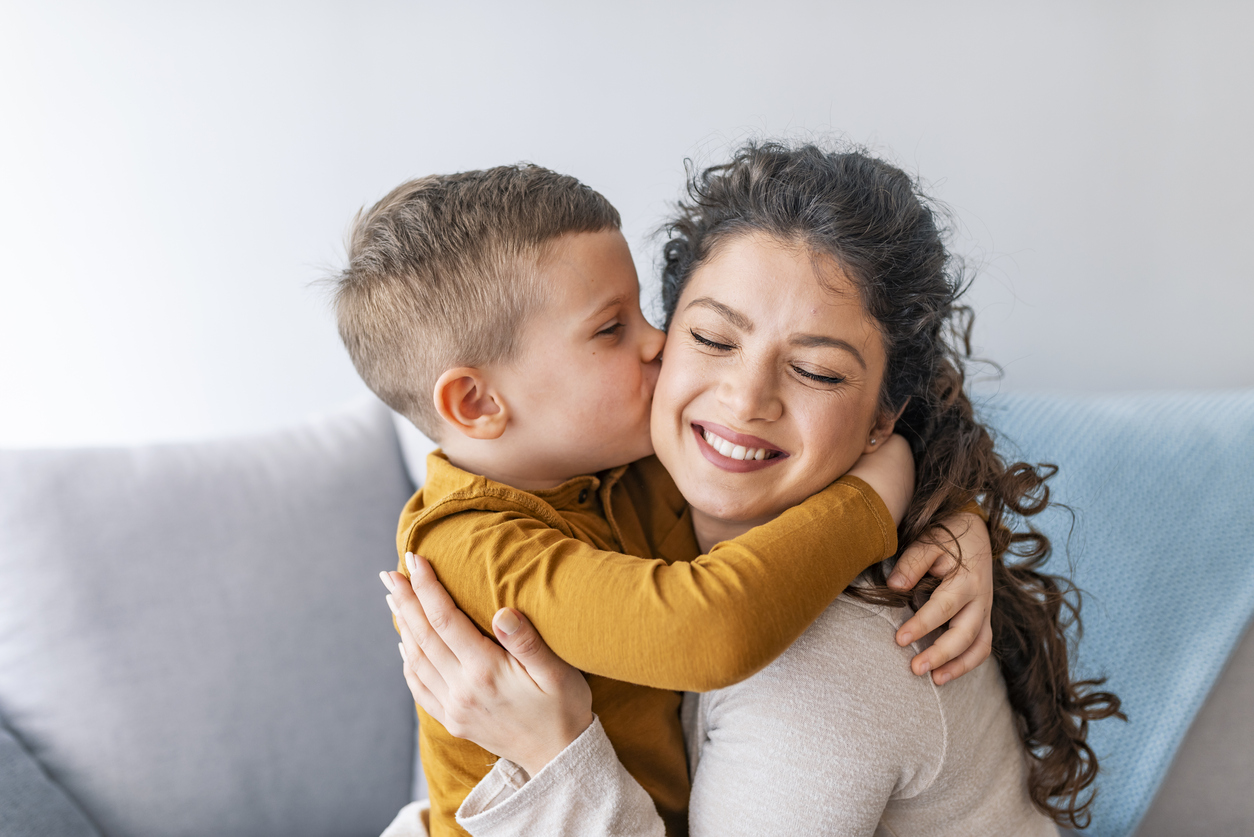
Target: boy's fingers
pixel 968 660
pixel 918 560
pixel 456 630
pixel 964 631
pixel 943 605
pixel 520 638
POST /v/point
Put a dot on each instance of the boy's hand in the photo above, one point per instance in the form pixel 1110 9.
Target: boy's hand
pixel 964 599
pixel 890 471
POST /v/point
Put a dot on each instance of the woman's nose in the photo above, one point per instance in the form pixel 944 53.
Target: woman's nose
pixel 750 393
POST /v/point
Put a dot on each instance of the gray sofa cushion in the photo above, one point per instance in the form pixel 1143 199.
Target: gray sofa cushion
pixel 1207 789
pixel 193 638
pixel 31 804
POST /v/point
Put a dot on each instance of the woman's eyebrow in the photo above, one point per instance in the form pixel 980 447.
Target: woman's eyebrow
pixel 812 340
pixel 733 316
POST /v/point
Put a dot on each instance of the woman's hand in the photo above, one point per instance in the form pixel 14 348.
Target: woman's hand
pixel 964 599
pixel 520 702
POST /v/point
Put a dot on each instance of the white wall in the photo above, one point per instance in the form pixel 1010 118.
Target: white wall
pixel 173 176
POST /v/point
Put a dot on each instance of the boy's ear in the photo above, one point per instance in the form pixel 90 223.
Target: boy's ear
pixel 885 423
pixel 465 399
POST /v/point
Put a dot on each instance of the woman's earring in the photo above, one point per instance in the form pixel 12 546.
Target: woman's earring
pixel 873 441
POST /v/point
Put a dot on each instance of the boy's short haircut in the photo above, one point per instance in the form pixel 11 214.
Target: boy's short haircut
pixel 443 272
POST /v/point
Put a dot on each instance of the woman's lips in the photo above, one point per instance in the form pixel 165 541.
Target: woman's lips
pixel 773 455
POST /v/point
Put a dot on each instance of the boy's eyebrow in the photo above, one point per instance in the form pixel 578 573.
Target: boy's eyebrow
pixel 733 316
pixel 613 303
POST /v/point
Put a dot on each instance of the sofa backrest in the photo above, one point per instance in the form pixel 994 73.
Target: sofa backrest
pixel 193 638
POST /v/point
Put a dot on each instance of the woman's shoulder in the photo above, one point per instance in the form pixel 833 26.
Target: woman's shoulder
pixel 840 708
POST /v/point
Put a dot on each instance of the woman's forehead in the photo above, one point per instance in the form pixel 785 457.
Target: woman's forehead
pixel 770 274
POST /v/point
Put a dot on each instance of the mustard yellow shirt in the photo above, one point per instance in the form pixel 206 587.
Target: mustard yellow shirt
pixel 608 569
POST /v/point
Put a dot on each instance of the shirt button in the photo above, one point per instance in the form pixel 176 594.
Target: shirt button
pixel 583 496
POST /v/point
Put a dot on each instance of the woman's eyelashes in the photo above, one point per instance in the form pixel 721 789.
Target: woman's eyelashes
pixel 828 380
pixel 815 377
pixel 710 344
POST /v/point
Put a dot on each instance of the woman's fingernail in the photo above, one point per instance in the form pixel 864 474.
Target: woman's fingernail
pixel 387 581
pixel 895 580
pixel 409 562
pixel 401 647
pixel 391 604
pixel 507 622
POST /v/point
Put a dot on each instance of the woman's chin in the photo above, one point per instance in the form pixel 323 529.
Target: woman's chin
pixel 736 510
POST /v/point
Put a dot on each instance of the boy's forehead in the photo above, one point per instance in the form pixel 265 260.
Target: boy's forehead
pixel 587 273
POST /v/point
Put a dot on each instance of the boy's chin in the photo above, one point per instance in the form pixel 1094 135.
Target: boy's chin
pixel 628 453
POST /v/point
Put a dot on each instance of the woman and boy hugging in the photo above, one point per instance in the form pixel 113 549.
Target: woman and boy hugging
pixel 728 523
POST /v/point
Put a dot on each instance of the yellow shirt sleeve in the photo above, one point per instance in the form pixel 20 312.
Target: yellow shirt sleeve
pixel 690 626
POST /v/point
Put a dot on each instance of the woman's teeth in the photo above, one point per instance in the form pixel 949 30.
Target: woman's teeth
pixel 735 451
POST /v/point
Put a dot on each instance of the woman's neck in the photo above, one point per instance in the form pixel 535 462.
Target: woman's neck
pixel 710 530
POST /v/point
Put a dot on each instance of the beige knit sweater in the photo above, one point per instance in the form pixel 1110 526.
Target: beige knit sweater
pixel 837 736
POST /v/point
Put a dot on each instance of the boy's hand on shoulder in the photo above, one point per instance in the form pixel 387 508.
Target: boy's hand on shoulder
pixel 890 471
pixel 964 599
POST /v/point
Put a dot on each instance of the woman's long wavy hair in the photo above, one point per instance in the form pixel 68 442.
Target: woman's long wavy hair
pixel 873 220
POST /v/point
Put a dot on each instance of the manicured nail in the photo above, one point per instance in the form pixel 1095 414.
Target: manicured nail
pixel 387 581
pixel 401 647
pixel 507 622
pixel 906 638
pixel 409 562
pixel 391 604
pixel 942 678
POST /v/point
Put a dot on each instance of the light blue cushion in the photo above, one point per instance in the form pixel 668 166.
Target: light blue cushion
pixel 1163 491
pixel 193 638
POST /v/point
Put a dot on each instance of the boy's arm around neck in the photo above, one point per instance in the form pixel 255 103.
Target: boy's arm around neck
pixel 691 626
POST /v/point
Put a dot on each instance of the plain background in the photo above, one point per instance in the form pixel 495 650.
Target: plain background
pixel 174 177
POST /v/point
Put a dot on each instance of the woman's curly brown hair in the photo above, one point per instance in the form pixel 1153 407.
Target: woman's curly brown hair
pixel 872 218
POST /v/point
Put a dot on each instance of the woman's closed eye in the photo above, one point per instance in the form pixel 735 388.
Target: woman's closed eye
pixel 710 344
pixel 829 380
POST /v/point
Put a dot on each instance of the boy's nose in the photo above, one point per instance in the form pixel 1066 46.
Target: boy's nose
pixel 652 343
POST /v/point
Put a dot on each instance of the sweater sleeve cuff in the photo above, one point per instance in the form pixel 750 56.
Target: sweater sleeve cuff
pixel 584 790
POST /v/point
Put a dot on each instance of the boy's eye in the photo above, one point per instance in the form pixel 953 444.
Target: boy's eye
pixel 610 330
pixel 831 380
pixel 710 344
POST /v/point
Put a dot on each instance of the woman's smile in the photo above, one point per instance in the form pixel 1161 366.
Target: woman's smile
pixel 735 452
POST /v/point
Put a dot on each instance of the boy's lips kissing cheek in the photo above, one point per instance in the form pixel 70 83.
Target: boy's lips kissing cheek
pixel 735 452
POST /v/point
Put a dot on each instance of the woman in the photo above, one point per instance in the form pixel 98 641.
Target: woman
pixel 802 289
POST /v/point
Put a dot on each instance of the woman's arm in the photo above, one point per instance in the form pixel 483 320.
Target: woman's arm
pixel 558 774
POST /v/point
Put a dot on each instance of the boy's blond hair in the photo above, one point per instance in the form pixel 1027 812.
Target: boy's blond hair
pixel 443 272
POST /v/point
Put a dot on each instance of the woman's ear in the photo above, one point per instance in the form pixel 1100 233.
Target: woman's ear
pixel 885 423
pixel 466 400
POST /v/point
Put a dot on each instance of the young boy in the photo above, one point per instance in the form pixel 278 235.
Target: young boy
pixel 498 310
